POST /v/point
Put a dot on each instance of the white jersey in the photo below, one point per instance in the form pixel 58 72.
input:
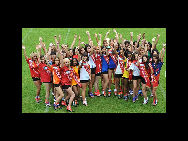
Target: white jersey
pixel 136 71
pixel 118 69
pixel 83 73
pixel 92 64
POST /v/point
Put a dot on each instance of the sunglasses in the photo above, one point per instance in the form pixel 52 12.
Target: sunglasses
pixel 34 56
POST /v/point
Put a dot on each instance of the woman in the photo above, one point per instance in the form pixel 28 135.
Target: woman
pixel 112 65
pixel 45 75
pixel 55 68
pixel 76 80
pixel 105 63
pixel 136 76
pixel 119 70
pixel 66 75
pixel 92 64
pixel 145 72
pixel 156 65
pixel 33 66
pixel 98 70
pixel 85 75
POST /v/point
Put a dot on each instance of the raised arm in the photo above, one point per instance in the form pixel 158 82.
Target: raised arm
pixel 89 38
pixel 96 38
pixel 163 52
pixel 137 42
pixel 75 36
pixel 107 34
pixel 26 58
pixel 156 40
pixel 131 34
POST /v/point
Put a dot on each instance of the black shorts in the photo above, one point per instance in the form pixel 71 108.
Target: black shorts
pixel 84 81
pixel 65 86
pixel 56 85
pixel 93 70
pixel 111 68
pixel 125 78
pixel 98 74
pixel 136 77
pixel 143 80
pixel 47 82
pixel 35 78
pixel 118 75
pixel 105 72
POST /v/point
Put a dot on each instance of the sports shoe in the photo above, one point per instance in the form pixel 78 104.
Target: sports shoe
pixel 91 95
pixel 140 91
pixel 119 95
pixel 145 101
pixel 47 103
pixel 37 99
pixel 136 96
pixel 115 92
pixel 109 93
pixel 154 102
pixel 85 103
pixel 98 93
pixel 63 103
pixel 104 94
pixel 151 95
pixel 125 97
pixel 69 109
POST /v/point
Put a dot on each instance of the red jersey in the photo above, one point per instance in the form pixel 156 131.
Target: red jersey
pixel 34 70
pixel 98 63
pixel 129 62
pixel 45 73
pixel 65 75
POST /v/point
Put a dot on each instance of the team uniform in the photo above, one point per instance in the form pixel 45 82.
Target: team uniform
pixel 112 60
pixel 156 73
pixel 56 75
pixel 120 67
pixel 98 64
pixel 66 77
pixel 92 63
pixel 105 63
pixel 84 72
pixel 125 73
pixel 34 69
pixel 45 73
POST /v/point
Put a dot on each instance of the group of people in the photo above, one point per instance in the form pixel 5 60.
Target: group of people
pixel 65 70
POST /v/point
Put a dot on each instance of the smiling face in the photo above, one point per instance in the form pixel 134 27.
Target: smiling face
pixel 42 60
pixel 129 56
pixel 144 59
pixel 66 62
pixel 74 62
pixel 104 50
pixel 97 49
pixel 84 58
pixel 88 49
pixel 57 61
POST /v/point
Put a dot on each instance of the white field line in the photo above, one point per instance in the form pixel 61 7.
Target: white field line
pixel 67 36
pixel 27 34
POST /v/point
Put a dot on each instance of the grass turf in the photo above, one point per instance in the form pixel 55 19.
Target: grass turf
pixel 30 37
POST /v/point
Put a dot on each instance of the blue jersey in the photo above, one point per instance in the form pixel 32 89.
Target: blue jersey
pixel 111 63
pixel 104 64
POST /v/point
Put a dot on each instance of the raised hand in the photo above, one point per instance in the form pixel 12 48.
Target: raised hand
pixel 23 47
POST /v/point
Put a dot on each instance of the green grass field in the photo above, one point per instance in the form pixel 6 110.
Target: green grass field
pixel 30 37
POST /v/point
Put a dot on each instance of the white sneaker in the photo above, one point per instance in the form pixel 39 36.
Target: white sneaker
pixel 145 101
